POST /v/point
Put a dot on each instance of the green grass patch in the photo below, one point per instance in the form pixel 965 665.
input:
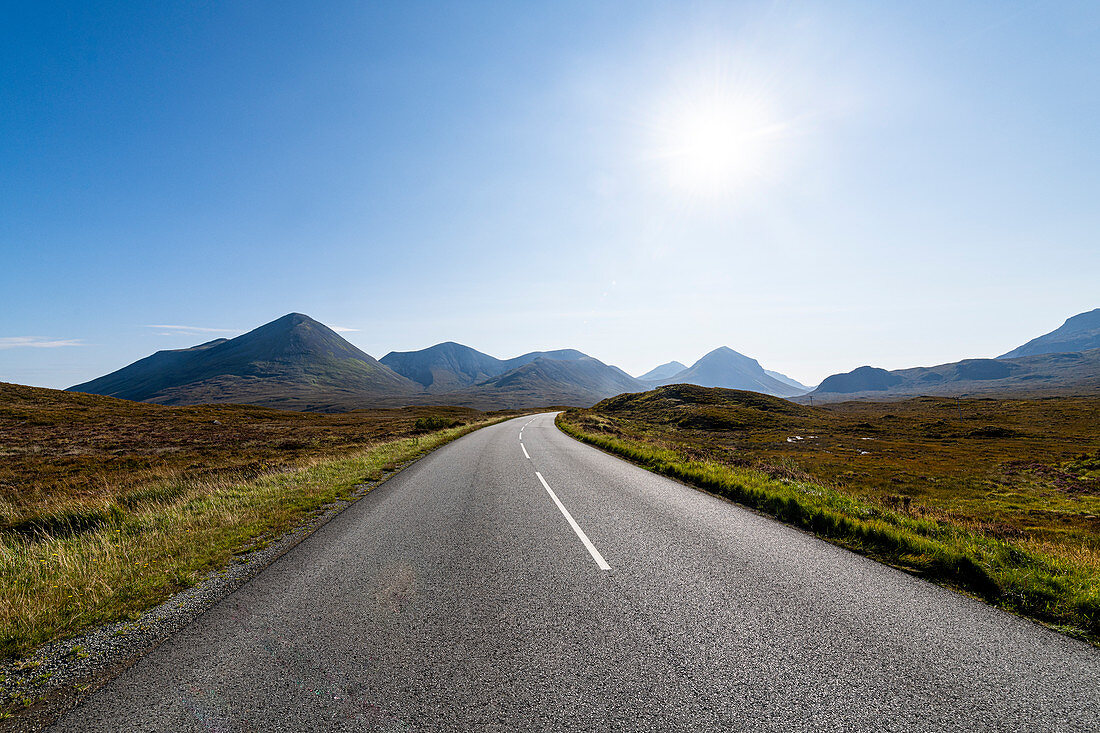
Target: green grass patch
pixel 1053 587
pixel 68 571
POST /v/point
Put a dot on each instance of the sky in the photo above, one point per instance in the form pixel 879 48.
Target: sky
pixel 819 185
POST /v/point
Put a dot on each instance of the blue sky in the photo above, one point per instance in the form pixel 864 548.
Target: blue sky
pixel 817 185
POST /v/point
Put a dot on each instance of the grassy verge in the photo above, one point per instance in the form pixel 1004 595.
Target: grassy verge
pixel 135 549
pixel 1055 588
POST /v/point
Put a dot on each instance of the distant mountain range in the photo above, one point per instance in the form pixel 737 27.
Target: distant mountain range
pixel 449 366
pixel 1079 333
pixel 298 363
pixel 459 375
pixel 1066 360
pixel 547 381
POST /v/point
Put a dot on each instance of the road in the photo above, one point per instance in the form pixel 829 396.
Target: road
pixel 460 596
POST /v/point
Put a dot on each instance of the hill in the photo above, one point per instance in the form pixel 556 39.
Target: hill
pixel 704 408
pixel 1039 375
pixel 546 381
pixel 665 371
pixel 293 362
pixel 557 354
pixel 448 367
pixel 1079 333
pixel 444 367
pixel 863 379
pixel 726 368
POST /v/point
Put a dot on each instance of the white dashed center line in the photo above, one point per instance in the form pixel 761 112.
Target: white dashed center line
pixel 525 453
pixel 576 528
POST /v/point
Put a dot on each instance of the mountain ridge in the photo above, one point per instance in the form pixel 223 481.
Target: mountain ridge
pixel 663 371
pixel 582 381
pixel 292 362
pixel 729 369
pixel 1079 333
pixel 1038 375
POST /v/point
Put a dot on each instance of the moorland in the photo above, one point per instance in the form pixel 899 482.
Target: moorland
pixel 107 506
pixel 996 497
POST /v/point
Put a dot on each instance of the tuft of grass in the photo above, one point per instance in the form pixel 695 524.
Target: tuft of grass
pixel 435 422
pixel 70 571
pixel 1061 589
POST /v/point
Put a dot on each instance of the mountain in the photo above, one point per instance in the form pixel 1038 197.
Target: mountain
pixel 444 367
pixel 1079 333
pixel 665 371
pixel 1064 361
pixel 726 368
pixel 293 362
pixel 1038 375
pixel 548 381
pixel 787 380
pixel 863 379
pixel 298 363
pixel 448 369
pixel 559 355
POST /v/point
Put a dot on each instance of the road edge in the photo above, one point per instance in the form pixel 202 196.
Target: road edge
pixel 1071 633
pixel 59 675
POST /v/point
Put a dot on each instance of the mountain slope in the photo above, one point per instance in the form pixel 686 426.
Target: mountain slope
pixel 1038 375
pixel 451 367
pixel 665 371
pixel 444 367
pixel 545 381
pixel 1079 333
pixel 558 355
pixel 293 362
pixel 726 368
pixel 863 379
pixel 787 380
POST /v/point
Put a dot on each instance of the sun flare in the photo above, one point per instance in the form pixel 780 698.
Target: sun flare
pixel 716 145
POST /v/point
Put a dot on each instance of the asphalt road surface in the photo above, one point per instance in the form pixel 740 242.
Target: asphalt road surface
pixel 518 580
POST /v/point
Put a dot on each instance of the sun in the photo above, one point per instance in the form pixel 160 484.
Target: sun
pixel 715 144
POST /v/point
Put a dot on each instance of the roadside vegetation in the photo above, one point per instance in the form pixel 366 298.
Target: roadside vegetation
pixel 109 507
pixel 998 498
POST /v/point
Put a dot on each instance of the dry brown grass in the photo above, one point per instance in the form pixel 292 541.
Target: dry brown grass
pixel 997 497
pixel 108 507
pixel 67 454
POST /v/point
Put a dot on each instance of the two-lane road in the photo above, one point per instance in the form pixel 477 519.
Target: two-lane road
pixel 507 582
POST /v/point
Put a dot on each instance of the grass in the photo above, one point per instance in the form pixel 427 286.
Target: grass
pixel 164 538
pixel 110 507
pixel 64 455
pixel 1036 554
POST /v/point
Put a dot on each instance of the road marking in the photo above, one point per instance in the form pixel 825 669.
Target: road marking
pixel 576 528
pixel 525 453
pixel 525 425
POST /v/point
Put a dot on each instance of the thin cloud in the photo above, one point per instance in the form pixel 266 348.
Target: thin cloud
pixel 343 329
pixel 193 329
pixel 36 342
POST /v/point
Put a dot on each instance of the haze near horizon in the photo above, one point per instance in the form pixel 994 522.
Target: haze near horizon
pixel 816 185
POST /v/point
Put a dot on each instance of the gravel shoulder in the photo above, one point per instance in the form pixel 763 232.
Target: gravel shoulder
pixel 37 690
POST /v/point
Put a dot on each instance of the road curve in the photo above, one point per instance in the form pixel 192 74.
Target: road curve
pixel 470 592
